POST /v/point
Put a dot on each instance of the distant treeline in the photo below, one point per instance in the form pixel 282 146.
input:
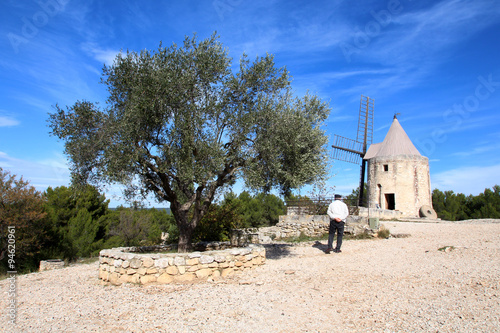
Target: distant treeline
pixel 66 223
pixel 456 206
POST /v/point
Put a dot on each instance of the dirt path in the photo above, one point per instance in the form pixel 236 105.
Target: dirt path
pixel 392 285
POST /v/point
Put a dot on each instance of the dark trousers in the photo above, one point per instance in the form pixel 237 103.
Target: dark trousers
pixel 335 227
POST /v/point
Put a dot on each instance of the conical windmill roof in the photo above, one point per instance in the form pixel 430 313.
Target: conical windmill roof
pixel 396 142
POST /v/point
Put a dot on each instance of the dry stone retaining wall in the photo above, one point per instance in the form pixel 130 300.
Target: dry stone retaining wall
pixel 121 265
pixel 46 265
pixel 291 226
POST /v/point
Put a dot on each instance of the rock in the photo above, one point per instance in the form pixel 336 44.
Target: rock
pixel 147 262
pixel 203 273
pixel 204 259
pixel 185 277
pixel 179 261
pixel 220 258
pixel 192 261
pixel 148 279
pixel 161 263
pixel 172 270
pixel 165 278
pixel 114 279
pixel 135 263
pixel 152 270
pixel 227 272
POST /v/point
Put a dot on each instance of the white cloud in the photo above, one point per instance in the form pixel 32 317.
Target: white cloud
pixel 106 56
pixel 467 180
pixel 6 121
pixel 40 174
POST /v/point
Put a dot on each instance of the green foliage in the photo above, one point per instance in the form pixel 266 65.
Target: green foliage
pixel 21 207
pixel 216 225
pixel 454 207
pixel 353 198
pixel 78 225
pixel 257 211
pixel 82 232
pixel 131 227
pixel 180 125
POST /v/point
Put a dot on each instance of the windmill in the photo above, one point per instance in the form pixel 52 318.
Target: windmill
pixel 353 151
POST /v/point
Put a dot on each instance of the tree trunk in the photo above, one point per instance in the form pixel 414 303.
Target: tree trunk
pixel 186 229
pixel 185 240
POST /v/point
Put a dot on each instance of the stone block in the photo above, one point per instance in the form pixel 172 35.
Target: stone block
pixel 180 261
pixel 125 279
pixel 192 261
pixel 172 270
pixel 103 275
pixel 203 273
pixel 152 270
pixel 135 263
pixel 161 263
pixel 136 278
pixel 165 278
pixel 204 259
pixel 227 272
pixel 147 262
pixel 220 258
pixel 185 277
pixel 142 271
pixel 193 268
pixel 148 279
pixel 113 279
pixel 125 264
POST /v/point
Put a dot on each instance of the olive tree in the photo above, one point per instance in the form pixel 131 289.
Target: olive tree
pixel 179 124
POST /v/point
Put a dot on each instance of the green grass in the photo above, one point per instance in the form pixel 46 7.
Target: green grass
pixel 383 233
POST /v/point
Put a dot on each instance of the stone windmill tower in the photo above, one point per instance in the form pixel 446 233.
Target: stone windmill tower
pixel 398 175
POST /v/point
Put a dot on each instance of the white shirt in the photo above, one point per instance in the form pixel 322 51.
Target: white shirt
pixel 338 209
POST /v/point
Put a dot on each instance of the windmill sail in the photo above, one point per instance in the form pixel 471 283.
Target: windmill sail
pixel 353 151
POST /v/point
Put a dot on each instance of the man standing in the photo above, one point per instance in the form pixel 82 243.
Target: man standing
pixel 338 212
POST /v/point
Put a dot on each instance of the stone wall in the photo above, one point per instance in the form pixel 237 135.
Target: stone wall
pixel 125 265
pixel 290 226
pixel 46 265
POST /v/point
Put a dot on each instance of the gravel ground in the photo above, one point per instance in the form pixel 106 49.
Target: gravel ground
pixel 380 285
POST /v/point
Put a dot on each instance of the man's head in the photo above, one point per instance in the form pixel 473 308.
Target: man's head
pixel 338 197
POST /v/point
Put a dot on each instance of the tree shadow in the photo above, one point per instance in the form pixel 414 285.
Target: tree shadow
pixel 277 251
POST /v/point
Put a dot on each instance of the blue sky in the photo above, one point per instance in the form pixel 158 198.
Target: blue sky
pixel 434 62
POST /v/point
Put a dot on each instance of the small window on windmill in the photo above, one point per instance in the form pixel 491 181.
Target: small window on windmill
pixel 386 167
